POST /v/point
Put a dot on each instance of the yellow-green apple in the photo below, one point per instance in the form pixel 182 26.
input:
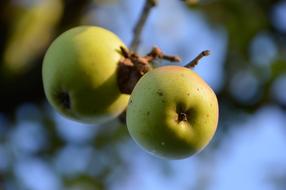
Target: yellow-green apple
pixel 80 75
pixel 172 112
pixel 32 28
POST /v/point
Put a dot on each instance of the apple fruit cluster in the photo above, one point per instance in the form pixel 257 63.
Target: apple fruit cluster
pixel 171 112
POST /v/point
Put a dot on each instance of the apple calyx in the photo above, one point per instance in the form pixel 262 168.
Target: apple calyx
pixel 64 99
pixel 182 114
pixel 182 117
pixel 133 66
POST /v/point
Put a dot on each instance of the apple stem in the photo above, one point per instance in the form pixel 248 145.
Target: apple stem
pixel 156 53
pixel 149 4
pixel 196 60
pixel 133 66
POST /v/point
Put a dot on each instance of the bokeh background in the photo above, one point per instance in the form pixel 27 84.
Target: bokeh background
pixel 41 150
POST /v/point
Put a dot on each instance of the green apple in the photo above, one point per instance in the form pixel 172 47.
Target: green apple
pixel 172 112
pixel 80 75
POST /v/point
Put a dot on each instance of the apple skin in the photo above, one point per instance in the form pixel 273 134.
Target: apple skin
pixel 79 75
pixel 172 112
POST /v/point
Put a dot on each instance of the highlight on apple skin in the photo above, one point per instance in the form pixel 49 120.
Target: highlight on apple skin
pixel 172 112
pixel 79 75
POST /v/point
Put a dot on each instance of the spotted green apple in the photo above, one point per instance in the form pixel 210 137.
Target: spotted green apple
pixel 172 112
pixel 79 75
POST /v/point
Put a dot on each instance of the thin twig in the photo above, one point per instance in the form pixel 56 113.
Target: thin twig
pixel 196 60
pixel 157 53
pixel 149 4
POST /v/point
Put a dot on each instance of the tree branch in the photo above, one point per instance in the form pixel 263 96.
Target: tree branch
pixel 149 4
pixel 196 60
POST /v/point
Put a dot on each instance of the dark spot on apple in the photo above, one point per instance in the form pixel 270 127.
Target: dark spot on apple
pixel 182 117
pixel 148 113
pixel 160 93
pixel 208 115
pixel 188 94
pixel 198 89
pixel 64 100
pixel 163 101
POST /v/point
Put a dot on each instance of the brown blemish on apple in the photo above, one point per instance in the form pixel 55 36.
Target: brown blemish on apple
pixel 133 66
pixel 148 113
pixel 160 93
pixel 188 94
pixel 64 100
